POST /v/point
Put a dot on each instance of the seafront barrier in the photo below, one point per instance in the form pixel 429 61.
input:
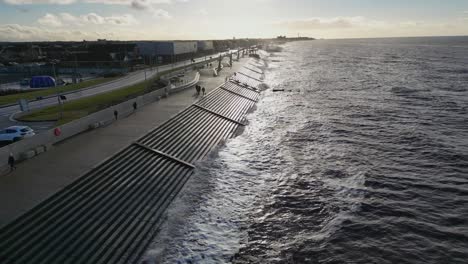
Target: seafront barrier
pixel 112 213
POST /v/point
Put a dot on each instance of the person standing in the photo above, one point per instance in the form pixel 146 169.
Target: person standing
pixel 203 90
pixel 11 162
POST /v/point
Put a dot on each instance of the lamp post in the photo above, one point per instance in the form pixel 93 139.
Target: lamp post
pixel 76 70
pixel 55 74
pixel 60 99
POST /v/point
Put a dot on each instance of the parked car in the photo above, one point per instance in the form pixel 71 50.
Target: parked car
pixel 15 133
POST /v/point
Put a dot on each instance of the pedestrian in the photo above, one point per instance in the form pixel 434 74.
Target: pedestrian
pixel 11 162
pixel 198 89
pixel 203 90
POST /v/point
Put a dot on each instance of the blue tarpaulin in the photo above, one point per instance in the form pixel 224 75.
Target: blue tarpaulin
pixel 42 81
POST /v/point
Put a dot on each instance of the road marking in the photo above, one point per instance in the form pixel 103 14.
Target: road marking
pixel 12 119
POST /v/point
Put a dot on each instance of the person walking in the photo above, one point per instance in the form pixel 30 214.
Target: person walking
pixel 11 162
pixel 203 90
pixel 198 89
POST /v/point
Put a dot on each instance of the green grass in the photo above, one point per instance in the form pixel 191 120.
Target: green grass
pixel 82 107
pixel 13 98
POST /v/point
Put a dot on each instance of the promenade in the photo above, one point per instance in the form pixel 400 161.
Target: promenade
pixel 38 178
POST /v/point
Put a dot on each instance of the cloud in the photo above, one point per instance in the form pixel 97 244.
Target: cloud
pixel 138 4
pixel 66 19
pixel 141 5
pixel 326 23
pixel 203 12
pixel 30 2
pixel 149 5
pixel 15 32
pixel 160 13
pixel 122 20
pixel 133 3
pixel 363 27
pixel 50 20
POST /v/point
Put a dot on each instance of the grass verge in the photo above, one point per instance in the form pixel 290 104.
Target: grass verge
pixel 14 98
pixel 82 107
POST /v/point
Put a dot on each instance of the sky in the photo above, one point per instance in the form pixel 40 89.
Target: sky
pixel 37 20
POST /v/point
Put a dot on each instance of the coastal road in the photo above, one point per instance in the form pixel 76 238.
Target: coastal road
pixel 130 79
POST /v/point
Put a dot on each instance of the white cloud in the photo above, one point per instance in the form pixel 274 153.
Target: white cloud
pixel 142 5
pixel 160 13
pixel 50 20
pixel 121 20
pixel 69 18
pixel 203 12
pixel 328 23
pixel 15 32
pixel 29 2
pixel 352 27
pixel 66 19
pixel 133 3
pixel 149 5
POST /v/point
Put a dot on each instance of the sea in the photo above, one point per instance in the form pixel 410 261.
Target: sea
pixel 356 153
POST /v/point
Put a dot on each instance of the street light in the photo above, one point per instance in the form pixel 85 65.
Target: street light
pixel 53 62
pixel 60 99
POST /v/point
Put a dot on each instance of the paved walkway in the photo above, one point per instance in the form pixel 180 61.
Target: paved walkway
pixel 38 178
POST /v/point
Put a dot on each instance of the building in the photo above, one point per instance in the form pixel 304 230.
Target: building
pixel 103 50
pixel 167 51
pixel 205 45
pixel 20 52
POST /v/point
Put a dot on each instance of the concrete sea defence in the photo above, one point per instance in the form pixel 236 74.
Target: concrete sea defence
pixel 111 214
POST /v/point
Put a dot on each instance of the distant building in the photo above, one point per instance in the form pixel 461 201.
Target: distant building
pixel 21 52
pixel 54 51
pixel 205 45
pixel 102 50
pixel 166 51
